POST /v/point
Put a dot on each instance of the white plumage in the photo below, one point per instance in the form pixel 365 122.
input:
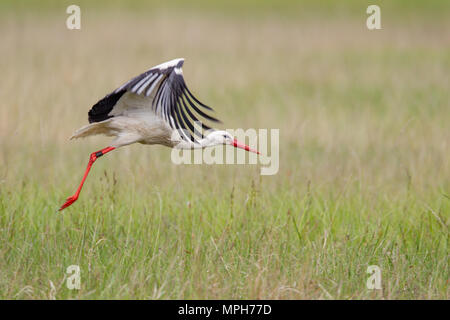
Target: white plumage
pixel 152 108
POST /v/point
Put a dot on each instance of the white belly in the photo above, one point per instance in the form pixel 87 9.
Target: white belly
pixel 134 116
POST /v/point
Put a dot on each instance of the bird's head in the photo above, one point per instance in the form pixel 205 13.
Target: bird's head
pixel 219 137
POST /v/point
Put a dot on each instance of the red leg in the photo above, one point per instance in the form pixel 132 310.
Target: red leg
pixel 94 156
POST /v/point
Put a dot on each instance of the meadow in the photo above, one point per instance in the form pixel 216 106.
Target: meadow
pixel 364 175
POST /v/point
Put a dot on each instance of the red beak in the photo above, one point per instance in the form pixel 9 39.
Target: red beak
pixel 239 145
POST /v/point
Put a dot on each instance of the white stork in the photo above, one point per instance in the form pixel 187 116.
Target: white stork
pixel 155 107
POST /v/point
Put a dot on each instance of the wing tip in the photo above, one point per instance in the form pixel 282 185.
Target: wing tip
pixel 175 63
pixel 180 60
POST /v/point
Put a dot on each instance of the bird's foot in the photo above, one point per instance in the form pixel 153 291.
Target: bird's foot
pixel 68 202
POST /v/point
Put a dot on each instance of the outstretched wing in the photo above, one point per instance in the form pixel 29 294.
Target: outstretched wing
pixel 168 95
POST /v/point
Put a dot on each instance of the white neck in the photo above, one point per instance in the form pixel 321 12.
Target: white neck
pixel 202 143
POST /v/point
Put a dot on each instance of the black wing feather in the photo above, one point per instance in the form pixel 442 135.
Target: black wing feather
pixel 99 112
pixel 172 99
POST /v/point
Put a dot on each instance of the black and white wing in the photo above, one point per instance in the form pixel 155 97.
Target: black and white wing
pixel 170 98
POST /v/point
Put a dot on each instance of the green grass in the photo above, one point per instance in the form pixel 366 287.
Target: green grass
pixel 364 160
pixel 243 243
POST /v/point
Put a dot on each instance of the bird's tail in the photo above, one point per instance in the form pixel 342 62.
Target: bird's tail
pixel 92 129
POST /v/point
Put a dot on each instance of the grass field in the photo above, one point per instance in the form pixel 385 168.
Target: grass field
pixel 364 173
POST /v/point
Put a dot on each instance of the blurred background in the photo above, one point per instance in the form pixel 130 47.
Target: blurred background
pixel 363 114
pixel 375 102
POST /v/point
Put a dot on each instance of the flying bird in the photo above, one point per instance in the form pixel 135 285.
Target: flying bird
pixel 155 107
